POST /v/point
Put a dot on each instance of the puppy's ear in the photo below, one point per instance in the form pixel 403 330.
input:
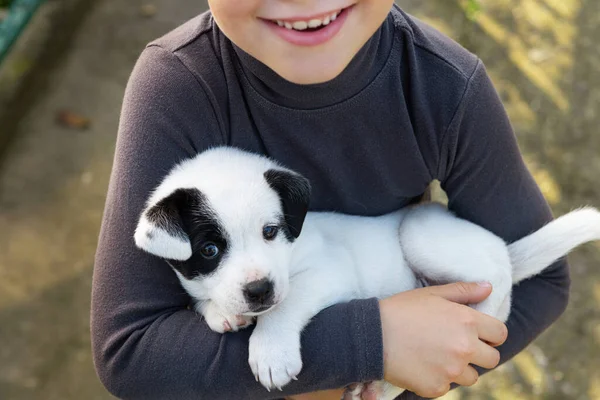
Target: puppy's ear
pixel 294 191
pixel 162 230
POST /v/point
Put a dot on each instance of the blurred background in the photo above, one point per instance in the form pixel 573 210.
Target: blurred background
pixel 61 87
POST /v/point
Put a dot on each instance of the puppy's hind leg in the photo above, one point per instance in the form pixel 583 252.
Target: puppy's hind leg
pixel 444 249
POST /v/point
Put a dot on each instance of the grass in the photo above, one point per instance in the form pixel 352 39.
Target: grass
pixel 472 8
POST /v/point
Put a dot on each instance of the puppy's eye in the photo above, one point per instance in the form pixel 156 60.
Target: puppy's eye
pixel 209 250
pixel 270 231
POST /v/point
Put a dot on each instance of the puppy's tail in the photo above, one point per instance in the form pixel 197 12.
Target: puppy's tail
pixel 530 255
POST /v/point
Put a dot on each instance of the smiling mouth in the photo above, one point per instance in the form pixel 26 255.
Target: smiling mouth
pixel 310 30
pixel 312 24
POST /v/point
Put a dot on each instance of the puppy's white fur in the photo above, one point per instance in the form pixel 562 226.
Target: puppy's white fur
pixel 339 257
pixel 238 194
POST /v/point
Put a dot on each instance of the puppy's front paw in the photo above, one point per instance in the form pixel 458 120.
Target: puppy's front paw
pixel 274 358
pixel 222 322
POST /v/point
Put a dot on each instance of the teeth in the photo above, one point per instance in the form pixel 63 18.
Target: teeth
pixel 313 23
pixel 300 25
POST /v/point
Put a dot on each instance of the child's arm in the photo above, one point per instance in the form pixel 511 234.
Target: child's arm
pixel 487 182
pixel 146 343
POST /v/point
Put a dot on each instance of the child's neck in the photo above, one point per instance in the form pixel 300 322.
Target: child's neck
pixel 363 68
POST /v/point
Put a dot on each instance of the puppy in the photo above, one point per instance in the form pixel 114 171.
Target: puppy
pixel 228 222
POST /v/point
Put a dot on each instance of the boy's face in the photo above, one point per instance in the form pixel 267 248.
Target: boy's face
pixel 324 37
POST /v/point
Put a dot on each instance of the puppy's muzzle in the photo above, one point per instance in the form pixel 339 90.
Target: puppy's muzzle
pixel 259 294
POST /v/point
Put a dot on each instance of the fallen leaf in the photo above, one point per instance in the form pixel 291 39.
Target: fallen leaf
pixel 70 119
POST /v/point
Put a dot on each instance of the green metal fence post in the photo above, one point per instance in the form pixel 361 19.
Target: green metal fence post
pixel 19 14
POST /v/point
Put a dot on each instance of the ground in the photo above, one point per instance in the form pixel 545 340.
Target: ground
pixel 543 56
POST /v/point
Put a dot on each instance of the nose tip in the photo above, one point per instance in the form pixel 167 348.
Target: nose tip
pixel 259 292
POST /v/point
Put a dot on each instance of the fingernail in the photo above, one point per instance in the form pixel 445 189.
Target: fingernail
pixel 484 284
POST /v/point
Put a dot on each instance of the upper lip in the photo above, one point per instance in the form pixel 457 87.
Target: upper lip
pixel 308 18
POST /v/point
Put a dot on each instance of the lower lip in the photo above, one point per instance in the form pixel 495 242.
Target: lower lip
pixel 259 311
pixel 263 309
pixel 311 38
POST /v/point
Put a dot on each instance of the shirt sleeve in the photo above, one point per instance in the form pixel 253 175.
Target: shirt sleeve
pixel 147 344
pixel 487 182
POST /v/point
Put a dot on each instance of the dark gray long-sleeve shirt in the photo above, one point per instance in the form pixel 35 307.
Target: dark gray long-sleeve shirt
pixel 413 106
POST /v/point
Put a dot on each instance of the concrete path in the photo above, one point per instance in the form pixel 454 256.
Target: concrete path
pixel 52 187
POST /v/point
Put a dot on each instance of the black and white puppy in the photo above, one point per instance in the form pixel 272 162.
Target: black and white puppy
pixel 228 222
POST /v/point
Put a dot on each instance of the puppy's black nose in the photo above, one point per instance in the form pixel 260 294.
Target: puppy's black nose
pixel 259 292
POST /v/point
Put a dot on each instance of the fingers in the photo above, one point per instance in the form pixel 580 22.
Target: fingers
pixel 468 378
pixel 485 356
pixel 490 329
pixel 463 292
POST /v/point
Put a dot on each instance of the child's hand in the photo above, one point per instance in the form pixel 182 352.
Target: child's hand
pixel 430 337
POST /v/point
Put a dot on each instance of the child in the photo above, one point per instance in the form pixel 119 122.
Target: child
pixel 371 105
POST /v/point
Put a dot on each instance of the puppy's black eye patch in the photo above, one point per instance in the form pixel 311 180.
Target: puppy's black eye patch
pixel 188 212
pixel 209 243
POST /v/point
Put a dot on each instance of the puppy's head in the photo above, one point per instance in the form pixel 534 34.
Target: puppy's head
pixel 226 221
